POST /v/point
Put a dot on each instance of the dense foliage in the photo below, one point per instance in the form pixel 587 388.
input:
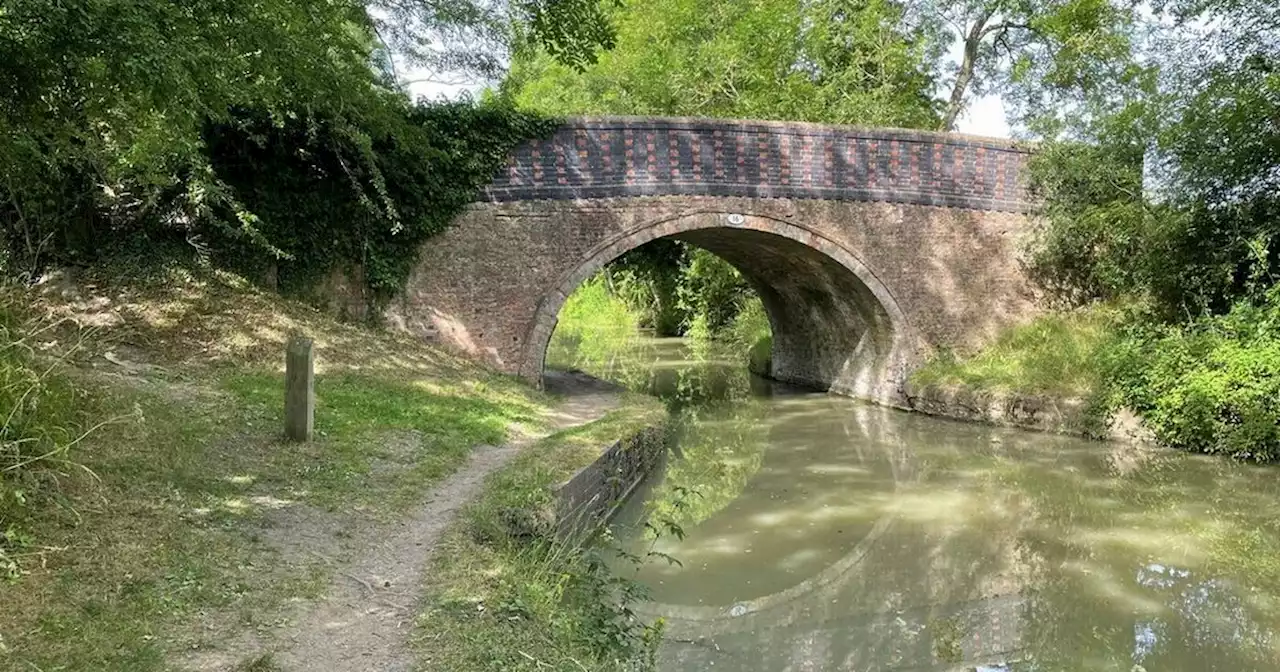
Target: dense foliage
pixel 252 131
pixel 829 61
pixel 324 196
pixel 1177 197
pixel 1212 385
pixel 593 327
pixel 1167 200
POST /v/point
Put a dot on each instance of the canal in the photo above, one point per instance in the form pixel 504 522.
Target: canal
pixel 799 531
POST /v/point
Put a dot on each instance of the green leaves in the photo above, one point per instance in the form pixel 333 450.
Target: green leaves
pixel 329 193
pixel 1175 198
pixel 829 61
pixel 109 108
pixel 1211 386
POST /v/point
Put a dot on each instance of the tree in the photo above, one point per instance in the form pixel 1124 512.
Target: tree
pixel 1188 219
pixel 1042 47
pixel 475 38
pixel 105 106
pixel 837 61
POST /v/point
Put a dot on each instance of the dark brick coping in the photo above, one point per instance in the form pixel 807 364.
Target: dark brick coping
pixel 606 157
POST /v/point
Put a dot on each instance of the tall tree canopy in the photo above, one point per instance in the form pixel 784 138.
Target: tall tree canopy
pixel 1180 203
pixel 1038 54
pixel 839 61
pixel 107 106
pixel 867 62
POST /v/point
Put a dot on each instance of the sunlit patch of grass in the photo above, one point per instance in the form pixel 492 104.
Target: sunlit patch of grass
pixel 177 316
pixel 136 560
pixel 1055 354
pixel 496 602
pixel 437 430
pixel 592 328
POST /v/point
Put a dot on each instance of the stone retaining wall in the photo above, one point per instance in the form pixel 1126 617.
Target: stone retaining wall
pixel 589 499
pixel 1041 413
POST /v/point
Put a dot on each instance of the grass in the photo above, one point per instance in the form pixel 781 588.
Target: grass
pixel 1055 354
pixel 500 603
pixel 421 429
pixel 162 545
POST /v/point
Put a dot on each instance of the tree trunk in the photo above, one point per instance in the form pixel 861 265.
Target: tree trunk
pixel 964 76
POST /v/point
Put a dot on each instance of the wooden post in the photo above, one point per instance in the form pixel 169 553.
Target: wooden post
pixel 299 389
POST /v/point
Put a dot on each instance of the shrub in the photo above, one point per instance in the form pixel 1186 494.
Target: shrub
pixel 1211 386
pixel 751 323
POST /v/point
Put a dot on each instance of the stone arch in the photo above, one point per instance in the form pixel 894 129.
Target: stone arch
pixel 836 326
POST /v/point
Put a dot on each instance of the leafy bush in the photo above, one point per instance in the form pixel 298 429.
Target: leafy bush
pixel 760 356
pixel 750 325
pixel 1089 245
pixel 711 292
pixel 1211 386
pixel 679 289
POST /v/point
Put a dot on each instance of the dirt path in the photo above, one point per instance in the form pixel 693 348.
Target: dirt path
pixel 364 621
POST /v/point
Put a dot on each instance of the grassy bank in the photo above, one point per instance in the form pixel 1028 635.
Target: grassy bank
pixel 1205 385
pixel 169 527
pixel 1058 354
pixel 596 325
pixel 511 603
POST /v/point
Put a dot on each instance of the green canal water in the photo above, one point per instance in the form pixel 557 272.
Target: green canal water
pixel 821 533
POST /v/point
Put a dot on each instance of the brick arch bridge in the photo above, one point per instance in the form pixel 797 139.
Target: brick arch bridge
pixel 868 247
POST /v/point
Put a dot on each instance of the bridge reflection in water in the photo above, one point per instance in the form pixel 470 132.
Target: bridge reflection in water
pixel 826 534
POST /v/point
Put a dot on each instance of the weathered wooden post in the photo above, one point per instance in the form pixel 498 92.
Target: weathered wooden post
pixel 299 389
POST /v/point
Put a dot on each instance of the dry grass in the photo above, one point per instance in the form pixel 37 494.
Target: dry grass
pixel 215 318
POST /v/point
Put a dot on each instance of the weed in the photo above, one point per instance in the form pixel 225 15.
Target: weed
pixel 44 416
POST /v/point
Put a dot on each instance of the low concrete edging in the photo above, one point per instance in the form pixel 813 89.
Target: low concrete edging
pixel 589 499
pixel 1041 413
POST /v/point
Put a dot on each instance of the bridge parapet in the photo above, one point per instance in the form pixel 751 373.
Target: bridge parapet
pixel 609 157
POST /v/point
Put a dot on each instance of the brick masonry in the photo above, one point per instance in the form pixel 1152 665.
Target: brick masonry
pixel 590 498
pixel 618 157
pixel 868 247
